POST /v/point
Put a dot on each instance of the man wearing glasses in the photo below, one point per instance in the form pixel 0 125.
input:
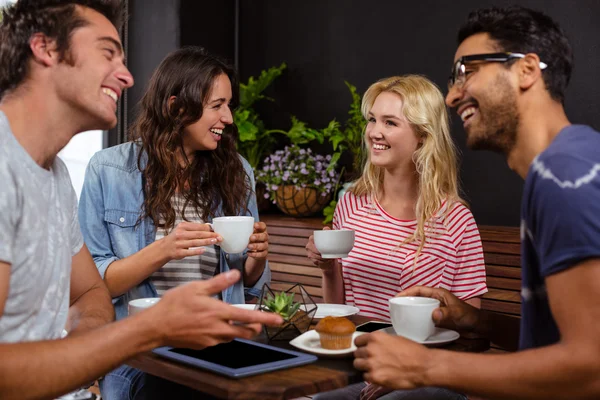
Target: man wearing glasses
pixel 511 69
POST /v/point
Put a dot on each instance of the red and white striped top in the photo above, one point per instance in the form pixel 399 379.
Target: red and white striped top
pixel 378 267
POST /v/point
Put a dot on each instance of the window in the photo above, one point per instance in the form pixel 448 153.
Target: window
pixel 77 154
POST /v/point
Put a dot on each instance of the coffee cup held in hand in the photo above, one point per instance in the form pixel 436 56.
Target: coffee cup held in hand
pixel 334 243
pixel 235 231
pixel 137 305
pixel 412 316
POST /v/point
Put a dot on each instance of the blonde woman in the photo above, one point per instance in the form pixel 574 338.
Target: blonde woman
pixel 412 228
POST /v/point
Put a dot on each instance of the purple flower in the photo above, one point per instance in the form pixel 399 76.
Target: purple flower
pixel 297 166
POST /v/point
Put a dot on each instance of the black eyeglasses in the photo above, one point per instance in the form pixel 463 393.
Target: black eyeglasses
pixel 458 76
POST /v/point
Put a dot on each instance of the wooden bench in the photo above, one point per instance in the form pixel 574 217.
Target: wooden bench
pixel 289 264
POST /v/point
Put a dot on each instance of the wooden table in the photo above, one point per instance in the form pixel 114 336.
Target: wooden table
pixel 320 376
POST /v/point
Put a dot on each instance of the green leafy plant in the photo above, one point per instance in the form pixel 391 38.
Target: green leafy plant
pixel 255 140
pixel 282 304
pixel 350 136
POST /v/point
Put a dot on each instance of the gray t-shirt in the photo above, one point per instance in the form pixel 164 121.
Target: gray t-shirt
pixel 39 234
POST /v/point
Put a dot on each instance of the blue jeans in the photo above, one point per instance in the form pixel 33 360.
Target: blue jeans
pixel 427 393
pixel 123 383
pixel 127 383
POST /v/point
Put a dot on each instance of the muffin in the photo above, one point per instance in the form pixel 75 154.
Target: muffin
pixel 335 333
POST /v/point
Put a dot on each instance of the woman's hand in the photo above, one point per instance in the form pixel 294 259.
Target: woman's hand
pixel 315 256
pixel 188 239
pixel 258 247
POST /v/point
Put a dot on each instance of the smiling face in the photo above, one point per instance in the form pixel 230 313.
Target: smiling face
pixel 391 140
pixel 205 133
pixel 487 101
pixel 94 76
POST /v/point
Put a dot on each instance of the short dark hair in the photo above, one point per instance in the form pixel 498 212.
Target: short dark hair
pixel 56 19
pixel 521 30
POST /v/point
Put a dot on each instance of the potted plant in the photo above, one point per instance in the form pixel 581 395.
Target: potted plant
pixel 255 140
pixel 349 138
pixel 295 306
pixel 299 181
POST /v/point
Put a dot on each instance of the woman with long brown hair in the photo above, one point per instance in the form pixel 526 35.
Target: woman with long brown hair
pixel 145 204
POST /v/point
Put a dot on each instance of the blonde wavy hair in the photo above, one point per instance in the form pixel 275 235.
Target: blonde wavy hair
pixel 436 160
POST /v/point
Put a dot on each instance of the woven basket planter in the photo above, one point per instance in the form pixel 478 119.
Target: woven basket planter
pixel 300 202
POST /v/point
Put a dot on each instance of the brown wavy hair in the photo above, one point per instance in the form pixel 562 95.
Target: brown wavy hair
pixel 212 177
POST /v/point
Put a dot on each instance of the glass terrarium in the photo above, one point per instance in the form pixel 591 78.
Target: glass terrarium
pixel 295 306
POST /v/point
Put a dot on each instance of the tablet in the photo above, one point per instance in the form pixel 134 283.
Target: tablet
pixel 238 358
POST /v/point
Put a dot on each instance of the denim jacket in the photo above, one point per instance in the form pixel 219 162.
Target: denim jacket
pixel 110 206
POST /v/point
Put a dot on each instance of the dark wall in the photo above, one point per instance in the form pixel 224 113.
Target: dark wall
pixel 210 24
pixel 325 42
pixel 153 33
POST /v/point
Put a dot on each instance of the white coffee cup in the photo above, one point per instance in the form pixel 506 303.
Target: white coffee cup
pixel 334 243
pixel 412 316
pixel 137 305
pixel 235 232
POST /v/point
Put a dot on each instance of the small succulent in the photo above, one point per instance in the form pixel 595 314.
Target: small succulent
pixel 282 304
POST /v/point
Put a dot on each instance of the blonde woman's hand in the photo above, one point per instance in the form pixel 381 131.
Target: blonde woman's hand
pixel 189 239
pixel 315 256
pixel 258 247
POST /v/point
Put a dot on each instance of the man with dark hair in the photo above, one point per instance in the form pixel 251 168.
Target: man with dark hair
pixel 510 72
pixel 62 72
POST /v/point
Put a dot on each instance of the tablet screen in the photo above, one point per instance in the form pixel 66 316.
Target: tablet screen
pixel 236 354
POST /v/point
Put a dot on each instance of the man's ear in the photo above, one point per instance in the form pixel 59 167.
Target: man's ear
pixel 529 71
pixel 43 49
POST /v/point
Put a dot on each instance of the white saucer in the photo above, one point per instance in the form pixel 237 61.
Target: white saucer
pixel 440 336
pixel 310 343
pixel 245 306
pixel 334 310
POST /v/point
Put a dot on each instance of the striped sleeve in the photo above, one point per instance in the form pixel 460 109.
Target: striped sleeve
pixel 469 277
pixel 341 211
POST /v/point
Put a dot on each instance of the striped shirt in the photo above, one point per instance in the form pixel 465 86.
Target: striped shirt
pixel 177 272
pixel 379 266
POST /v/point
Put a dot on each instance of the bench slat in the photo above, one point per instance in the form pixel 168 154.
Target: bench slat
pixel 294 278
pixel 295 269
pixel 501 306
pixel 289 231
pixel 503 295
pixel 501 247
pixel 502 259
pixel 313 291
pixel 503 272
pixel 288 250
pixel 290 259
pixel 287 240
pixel 504 283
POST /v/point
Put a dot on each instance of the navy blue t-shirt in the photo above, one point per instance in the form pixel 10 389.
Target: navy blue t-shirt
pixel 560 224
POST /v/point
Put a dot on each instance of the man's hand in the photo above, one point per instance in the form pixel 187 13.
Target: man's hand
pixel 189 239
pixel 373 392
pixel 391 361
pixel 315 256
pixel 187 316
pixel 453 313
pixel 259 242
